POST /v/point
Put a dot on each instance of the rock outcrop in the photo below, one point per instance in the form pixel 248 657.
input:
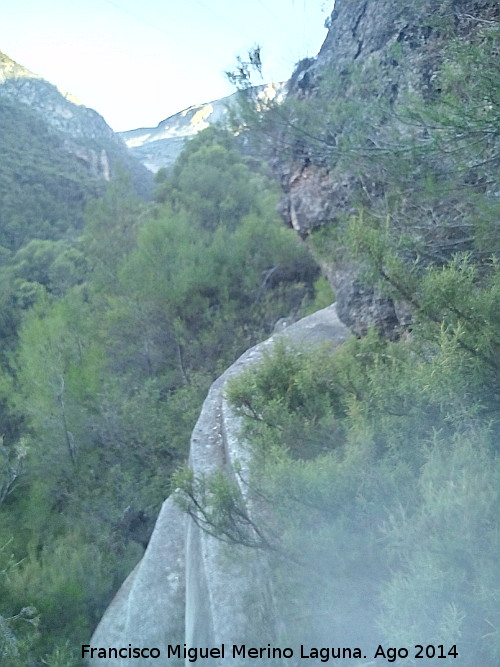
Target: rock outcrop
pixel 189 587
pixel 377 54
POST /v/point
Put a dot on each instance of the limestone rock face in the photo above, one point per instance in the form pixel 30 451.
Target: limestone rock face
pixel 190 587
pixel 396 50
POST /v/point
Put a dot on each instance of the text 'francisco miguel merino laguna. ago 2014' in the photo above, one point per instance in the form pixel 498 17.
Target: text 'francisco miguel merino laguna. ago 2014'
pixel 242 651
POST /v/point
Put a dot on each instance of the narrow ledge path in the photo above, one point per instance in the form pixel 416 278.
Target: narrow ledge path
pixel 186 589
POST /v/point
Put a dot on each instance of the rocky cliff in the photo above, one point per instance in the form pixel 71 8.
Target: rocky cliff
pixel 190 587
pixel 85 133
pixel 380 59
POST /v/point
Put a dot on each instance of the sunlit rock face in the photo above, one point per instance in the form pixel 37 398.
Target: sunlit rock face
pixel 160 146
pixel 401 47
pixel 190 587
pixel 86 134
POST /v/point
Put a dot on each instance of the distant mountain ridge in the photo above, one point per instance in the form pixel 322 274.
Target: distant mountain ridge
pixel 159 146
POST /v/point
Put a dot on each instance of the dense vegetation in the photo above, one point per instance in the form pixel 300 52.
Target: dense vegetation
pixel 379 469
pixel 376 467
pixel 113 331
pixel 43 186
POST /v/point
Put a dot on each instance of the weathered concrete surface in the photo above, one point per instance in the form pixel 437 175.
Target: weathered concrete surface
pixel 148 610
pixel 227 589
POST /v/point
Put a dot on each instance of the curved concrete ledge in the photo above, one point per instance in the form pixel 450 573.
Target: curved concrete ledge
pixel 188 588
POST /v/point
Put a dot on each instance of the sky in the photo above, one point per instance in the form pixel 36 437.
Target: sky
pixel 137 62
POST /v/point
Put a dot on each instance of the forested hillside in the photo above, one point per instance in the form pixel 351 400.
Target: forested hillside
pixel 372 471
pixel 43 187
pixel 113 330
pixel 36 115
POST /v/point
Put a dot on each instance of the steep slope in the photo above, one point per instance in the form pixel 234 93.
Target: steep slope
pixel 160 146
pixel 82 132
pixel 44 187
